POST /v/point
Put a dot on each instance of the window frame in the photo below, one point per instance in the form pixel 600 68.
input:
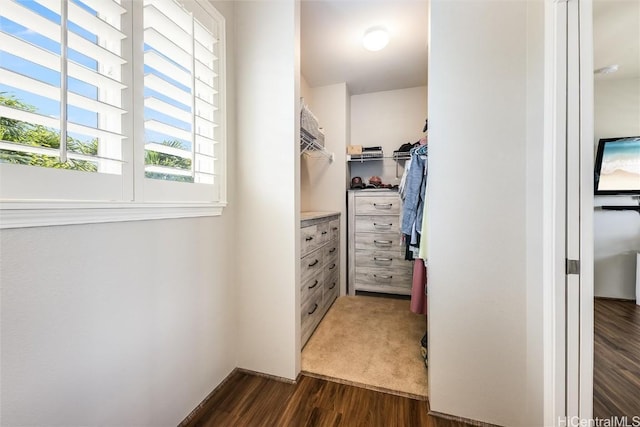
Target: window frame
pixel 141 198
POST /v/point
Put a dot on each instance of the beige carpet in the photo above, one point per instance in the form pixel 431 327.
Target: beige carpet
pixel 370 342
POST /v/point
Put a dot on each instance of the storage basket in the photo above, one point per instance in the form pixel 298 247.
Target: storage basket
pixel 309 123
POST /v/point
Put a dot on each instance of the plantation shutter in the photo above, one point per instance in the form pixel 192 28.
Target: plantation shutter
pixel 181 92
pixel 61 77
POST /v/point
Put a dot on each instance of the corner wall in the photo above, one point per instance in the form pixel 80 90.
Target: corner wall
pixel 323 183
pixel 387 119
pixel 267 76
pixel 127 323
pixel 485 211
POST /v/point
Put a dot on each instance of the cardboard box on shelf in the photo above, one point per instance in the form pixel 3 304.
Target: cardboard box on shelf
pixel 354 149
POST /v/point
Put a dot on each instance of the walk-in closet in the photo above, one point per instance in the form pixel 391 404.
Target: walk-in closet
pixel 363 175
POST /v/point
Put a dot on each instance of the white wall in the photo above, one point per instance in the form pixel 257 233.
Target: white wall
pixel 306 92
pixel 616 233
pixel 267 76
pixel 119 324
pixel 323 183
pixel 130 323
pixel 534 217
pixel 388 119
pixel 485 311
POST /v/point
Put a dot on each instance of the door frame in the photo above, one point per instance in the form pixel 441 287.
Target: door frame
pixel 568 341
pixel 587 123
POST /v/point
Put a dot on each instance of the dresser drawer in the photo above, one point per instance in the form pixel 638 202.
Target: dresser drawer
pixel 377 279
pixel 391 259
pixel 308 239
pixel 310 287
pixel 377 223
pixel 334 230
pixel 332 282
pixel 390 242
pixel 331 252
pixel 311 265
pixel 331 267
pixel 323 233
pixel 378 205
pixel 310 315
pixel 331 291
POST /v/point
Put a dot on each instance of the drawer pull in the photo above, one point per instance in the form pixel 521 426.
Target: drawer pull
pixel 313 263
pixel 332 250
pixel 375 224
pixel 382 277
pixel 333 285
pixel 334 229
pixel 332 266
pixel 308 239
pixel 314 285
pixel 324 232
pixel 382 259
pixel 383 205
pixel 382 242
pixel 315 307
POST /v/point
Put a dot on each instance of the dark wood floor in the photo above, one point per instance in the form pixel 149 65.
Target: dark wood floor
pixel 249 400
pixel 254 401
pixel 616 362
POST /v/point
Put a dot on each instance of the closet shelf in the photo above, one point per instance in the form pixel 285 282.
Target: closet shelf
pixel 355 158
pixel 401 155
pixel 308 146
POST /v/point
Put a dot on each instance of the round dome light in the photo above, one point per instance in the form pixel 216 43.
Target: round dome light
pixel 607 70
pixel 375 38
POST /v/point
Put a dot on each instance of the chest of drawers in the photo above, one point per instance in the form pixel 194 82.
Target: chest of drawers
pixel 319 268
pixel 376 256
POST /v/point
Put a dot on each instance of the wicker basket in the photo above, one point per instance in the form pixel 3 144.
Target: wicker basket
pixel 309 123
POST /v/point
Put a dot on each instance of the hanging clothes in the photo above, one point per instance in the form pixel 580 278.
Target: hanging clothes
pixel 413 191
pixel 418 296
pixel 413 194
pixel 423 241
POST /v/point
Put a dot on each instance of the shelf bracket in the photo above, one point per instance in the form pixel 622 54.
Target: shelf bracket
pixel 309 146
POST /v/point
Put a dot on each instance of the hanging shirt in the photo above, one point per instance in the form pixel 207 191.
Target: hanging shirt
pixel 414 191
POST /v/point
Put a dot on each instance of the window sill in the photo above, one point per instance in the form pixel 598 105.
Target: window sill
pixel 38 214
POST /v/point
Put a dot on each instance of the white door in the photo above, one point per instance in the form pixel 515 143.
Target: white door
pixel 579 210
pixel 572 254
pixel 585 210
pixel 570 225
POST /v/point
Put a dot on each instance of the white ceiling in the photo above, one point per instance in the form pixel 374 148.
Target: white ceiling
pixel 332 52
pixel 331 44
pixel 616 37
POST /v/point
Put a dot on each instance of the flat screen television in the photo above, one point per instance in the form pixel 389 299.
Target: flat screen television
pixel 617 169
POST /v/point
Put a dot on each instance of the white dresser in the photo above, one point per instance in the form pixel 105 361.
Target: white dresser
pixel 376 257
pixel 319 267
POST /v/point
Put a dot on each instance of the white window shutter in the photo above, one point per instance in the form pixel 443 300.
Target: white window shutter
pixel 39 88
pixel 180 93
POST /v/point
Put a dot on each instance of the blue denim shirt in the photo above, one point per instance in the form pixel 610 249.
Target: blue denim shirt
pixel 413 207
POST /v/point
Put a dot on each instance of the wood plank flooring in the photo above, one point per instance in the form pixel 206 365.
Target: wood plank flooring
pixel 616 363
pixel 255 401
pixel 249 400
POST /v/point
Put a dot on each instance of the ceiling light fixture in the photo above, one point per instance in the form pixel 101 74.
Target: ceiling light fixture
pixel 607 70
pixel 375 38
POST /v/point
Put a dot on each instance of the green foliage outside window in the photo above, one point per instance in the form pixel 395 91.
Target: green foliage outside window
pixel 24 133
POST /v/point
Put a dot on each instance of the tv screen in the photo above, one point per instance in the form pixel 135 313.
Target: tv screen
pixel 617 169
